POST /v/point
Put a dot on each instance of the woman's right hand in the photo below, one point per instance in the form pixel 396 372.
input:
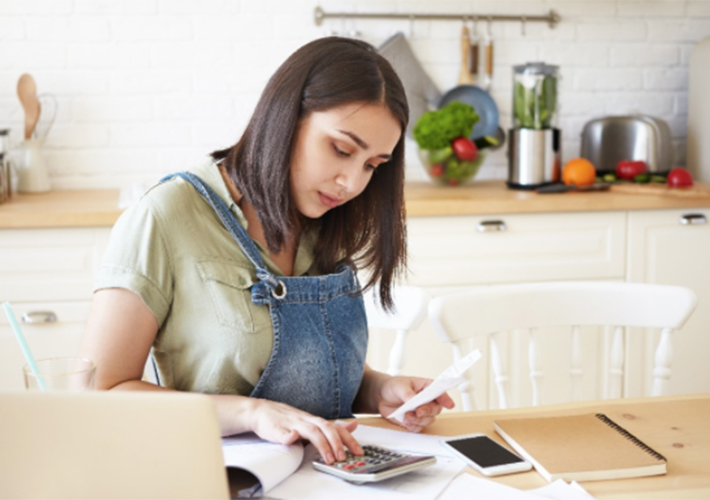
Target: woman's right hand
pixel 284 424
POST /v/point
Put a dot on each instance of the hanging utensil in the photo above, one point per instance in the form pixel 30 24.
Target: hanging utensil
pixel 27 92
pixel 465 77
pixel 48 112
pixel 488 49
pixel 473 57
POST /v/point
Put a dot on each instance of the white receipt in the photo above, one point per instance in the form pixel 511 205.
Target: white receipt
pixel 449 378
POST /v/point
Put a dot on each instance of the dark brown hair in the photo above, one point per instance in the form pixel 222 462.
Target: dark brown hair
pixel 368 230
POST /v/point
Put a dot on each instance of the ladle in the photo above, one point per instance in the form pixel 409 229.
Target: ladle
pixel 27 92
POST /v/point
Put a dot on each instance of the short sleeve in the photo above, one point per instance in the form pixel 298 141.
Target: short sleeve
pixel 137 259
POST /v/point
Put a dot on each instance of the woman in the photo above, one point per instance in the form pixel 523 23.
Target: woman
pixel 240 274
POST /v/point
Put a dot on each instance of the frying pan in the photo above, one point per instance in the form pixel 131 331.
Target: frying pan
pixel 473 95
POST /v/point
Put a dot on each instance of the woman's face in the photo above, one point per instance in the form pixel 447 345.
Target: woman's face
pixel 337 152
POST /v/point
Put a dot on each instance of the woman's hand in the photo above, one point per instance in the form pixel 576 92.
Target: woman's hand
pixel 396 390
pixel 284 424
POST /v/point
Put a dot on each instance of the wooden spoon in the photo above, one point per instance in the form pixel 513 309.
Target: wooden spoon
pixel 27 92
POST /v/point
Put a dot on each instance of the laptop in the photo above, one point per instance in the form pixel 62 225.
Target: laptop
pixel 110 445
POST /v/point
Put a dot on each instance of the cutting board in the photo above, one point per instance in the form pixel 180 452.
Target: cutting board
pixel 697 191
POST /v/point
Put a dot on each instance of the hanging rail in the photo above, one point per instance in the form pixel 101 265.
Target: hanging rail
pixel 551 19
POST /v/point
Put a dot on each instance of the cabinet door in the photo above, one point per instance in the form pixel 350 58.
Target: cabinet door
pixel 451 251
pixel 672 247
pixel 49 264
pixel 60 337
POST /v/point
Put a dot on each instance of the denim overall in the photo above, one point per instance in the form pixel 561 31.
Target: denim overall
pixel 320 328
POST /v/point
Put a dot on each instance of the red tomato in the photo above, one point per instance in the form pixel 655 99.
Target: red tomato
pixel 453 182
pixel 679 177
pixel 628 169
pixel 465 149
pixel 437 170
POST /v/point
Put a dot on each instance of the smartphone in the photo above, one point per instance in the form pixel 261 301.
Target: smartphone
pixel 485 455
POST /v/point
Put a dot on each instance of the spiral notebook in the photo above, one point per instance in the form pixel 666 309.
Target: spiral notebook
pixel 588 447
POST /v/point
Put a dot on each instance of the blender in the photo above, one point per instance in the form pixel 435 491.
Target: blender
pixel 534 141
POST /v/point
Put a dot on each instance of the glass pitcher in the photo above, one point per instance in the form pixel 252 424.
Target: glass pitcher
pixel 535 96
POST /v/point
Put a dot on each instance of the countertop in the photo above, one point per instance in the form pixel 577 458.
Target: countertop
pixel 87 208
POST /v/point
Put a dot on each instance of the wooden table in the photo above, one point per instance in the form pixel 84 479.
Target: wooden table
pixel 678 427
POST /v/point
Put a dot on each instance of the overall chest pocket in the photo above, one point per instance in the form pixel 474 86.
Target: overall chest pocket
pixel 229 286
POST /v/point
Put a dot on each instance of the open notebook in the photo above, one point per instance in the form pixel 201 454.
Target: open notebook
pixel 585 447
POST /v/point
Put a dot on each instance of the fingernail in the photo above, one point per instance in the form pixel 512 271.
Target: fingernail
pixel 329 458
pixel 341 455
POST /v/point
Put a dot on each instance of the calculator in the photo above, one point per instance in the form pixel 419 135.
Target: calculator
pixel 375 464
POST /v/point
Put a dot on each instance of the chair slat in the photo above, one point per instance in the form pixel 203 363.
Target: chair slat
pixel 499 372
pixel 535 368
pixel 616 363
pixel 575 371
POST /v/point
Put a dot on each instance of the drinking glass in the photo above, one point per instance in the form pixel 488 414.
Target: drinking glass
pixel 61 374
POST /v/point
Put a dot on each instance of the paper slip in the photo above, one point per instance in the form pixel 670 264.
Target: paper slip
pixel 469 486
pixel 560 490
pixel 449 378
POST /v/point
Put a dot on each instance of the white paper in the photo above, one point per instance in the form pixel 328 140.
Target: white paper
pixel 447 380
pixel 422 444
pixel 470 486
pixel 271 463
pixel 560 490
pixel 423 484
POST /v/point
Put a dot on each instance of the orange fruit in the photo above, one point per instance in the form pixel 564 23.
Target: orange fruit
pixel 579 171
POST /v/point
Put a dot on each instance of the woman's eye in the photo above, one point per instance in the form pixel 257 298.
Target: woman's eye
pixel 370 166
pixel 340 152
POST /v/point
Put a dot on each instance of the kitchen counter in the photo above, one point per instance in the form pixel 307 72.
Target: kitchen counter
pixel 493 197
pixel 87 208
pixel 80 208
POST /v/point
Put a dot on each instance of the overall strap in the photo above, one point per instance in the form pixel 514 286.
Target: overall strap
pixel 230 223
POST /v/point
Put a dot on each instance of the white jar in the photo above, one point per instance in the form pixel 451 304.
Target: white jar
pixel 32 170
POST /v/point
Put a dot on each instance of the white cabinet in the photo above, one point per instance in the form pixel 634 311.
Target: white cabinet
pixel 465 250
pixel 46 271
pixel 672 247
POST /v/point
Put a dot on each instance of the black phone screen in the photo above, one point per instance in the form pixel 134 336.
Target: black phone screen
pixel 484 451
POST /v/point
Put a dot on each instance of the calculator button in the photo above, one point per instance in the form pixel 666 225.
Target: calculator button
pixel 348 466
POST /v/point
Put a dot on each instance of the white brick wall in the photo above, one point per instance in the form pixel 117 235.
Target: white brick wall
pixel 146 87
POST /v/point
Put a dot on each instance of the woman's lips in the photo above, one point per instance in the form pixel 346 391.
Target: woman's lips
pixel 329 201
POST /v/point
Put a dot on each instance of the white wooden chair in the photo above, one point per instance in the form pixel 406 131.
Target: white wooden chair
pixel 493 310
pixel 410 311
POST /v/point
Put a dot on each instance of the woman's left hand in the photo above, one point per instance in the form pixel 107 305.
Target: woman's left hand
pixel 396 390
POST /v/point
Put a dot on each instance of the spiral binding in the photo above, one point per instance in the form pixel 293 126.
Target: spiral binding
pixel 630 436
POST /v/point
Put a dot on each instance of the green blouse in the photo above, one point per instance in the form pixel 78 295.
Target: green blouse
pixel 172 251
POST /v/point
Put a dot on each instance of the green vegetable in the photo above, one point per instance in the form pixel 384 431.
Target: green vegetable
pixel 440 155
pixel 658 178
pixel 485 141
pixel 436 129
pixel 609 178
pixel 535 107
pixel 642 178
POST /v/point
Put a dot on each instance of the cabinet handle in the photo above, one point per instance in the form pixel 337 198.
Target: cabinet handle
pixel 488 226
pixel 693 219
pixel 34 317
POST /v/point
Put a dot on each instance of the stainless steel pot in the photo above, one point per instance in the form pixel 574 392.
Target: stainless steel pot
pixel 607 140
pixel 533 157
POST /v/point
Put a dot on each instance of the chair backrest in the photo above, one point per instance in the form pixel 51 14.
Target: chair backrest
pixel 410 310
pixel 492 310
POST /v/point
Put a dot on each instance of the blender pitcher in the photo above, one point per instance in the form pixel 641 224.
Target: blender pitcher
pixel 535 140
